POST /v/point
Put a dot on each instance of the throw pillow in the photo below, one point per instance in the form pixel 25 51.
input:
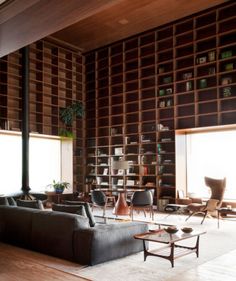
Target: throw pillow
pixel 11 201
pixel 4 201
pixel 76 209
pixel 35 204
pixel 87 210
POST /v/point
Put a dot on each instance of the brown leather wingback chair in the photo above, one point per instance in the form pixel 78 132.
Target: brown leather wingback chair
pixel 217 187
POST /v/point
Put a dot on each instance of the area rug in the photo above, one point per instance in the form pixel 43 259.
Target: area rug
pixel 214 243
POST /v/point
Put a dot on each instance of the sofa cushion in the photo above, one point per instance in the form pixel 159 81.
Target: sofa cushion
pixel 4 201
pixel 87 210
pixel 11 201
pixel 34 204
pixel 73 209
pixel 52 232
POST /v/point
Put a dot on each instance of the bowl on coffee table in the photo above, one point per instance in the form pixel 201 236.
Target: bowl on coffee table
pixel 171 229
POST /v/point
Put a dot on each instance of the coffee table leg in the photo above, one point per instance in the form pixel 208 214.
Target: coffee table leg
pixel 172 247
pixel 144 250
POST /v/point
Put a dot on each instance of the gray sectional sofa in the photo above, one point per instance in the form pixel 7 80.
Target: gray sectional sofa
pixel 68 236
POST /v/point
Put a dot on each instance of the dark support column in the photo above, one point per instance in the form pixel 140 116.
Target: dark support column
pixel 25 123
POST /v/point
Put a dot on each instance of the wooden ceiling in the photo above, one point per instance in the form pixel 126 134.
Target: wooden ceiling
pixel 127 18
pixel 88 24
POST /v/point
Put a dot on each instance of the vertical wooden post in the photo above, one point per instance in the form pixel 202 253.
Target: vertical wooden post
pixel 25 123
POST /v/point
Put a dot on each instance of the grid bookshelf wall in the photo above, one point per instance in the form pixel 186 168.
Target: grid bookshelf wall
pixel 56 81
pixel 139 91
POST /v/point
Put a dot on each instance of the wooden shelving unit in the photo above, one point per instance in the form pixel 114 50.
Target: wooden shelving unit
pixel 139 91
pixel 56 80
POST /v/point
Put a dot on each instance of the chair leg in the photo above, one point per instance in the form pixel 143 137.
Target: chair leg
pixel 204 217
pixel 190 216
pixel 131 213
pixel 152 212
pixel 104 210
pixel 144 213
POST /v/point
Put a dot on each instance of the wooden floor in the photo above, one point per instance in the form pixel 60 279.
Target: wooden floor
pixel 18 264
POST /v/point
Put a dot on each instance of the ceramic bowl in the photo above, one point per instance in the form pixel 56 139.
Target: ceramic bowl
pixel 171 230
pixel 187 229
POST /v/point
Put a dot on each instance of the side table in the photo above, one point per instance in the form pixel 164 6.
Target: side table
pixel 225 211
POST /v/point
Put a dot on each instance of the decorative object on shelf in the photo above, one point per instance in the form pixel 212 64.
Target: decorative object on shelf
pixel 201 60
pixel 169 91
pixel 161 92
pixel 211 70
pixel 227 92
pixel 167 80
pixel 189 86
pixel 187 75
pixel 105 171
pixel 228 66
pixel 68 115
pixel 161 69
pixel 202 83
pixel 169 102
pixel 120 182
pixel 59 186
pixel 226 54
pixel 226 80
pixel 162 103
pixel 119 151
pixel 211 56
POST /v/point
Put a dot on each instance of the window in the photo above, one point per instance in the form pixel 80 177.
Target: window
pixel 211 154
pixel 49 159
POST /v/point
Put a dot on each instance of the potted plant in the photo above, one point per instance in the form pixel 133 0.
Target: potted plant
pixel 59 186
pixel 68 115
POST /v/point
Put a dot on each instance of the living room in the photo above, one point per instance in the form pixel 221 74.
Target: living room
pixel 147 81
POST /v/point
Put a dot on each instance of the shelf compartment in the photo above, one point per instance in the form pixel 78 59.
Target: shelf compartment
pixel 184 123
pixel 164 33
pixel 184 39
pixel 184 26
pixel 166 113
pixel 186 110
pixel 228 118
pixel 185 62
pixel 209 107
pixel 227 39
pixel 165 44
pixel 132 76
pixel 209 30
pixel 208 120
pixel 227 12
pixel 132 118
pixel 185 98
pixel 149 71
pixel 228 105
pixel 207 94
pixel 148 93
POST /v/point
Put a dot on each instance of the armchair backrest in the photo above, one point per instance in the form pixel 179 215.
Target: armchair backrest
pixel 98 197
pixel 142 198
pixel 217 187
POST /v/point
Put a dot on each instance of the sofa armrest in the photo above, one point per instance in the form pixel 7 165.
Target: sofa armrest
pixel 107 242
